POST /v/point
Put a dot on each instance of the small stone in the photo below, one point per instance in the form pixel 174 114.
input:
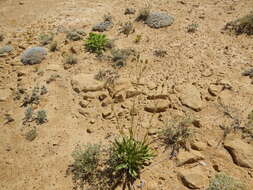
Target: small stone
pixel 151 85
pixel 129 11
pixel 92 121
pixel 198 146
pixel 152 132
pixel 84 103
pixel 4 94
pixel 103 26
pixel 157 106
pixel 85 83
pixel 159 20
pixel 186 157
pixel 106 113
pixel 75 35
pixel 6 49
pixel 33 55
pixel 214 90
pixel 190 97
pixel 89 131
pixel 83 113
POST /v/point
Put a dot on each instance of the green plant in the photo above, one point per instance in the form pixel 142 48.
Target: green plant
pixel 177 134
pixel 137 38
pixel 86 162
pixel 41 117
pixel 191 28
pixel 33 98
pixel 96 43
pixel 28 114
pixel 223 182
pixel 129 156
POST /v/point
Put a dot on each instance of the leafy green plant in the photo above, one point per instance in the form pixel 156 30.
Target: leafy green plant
pixel 41 117
pixel 223 182
pixel 129 156
pixel 177 135
pixel 86 162
pixel 96 43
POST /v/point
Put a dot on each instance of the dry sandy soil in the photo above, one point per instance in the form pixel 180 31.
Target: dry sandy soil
pixel 202 68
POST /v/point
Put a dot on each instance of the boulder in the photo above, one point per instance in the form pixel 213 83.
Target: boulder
pixel 33 55
pixel 241 152
pixel 86 83
pixel 159 20
pixel 190 97
pixel 186 157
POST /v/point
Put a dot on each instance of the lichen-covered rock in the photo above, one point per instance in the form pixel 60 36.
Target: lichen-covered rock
pixel 75 35
pixel 6 49
pixel 33 55
pixel 103 26
pixel 159 20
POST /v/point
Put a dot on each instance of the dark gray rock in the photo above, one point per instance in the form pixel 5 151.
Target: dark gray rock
pixel 103 26
pixel 6 49
pixel 33 55
pixel 76 35
pixel 159 20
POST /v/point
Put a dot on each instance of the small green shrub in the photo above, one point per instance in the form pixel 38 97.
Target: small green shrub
pixel 28 114
pixel 86 162
pixel 192 28
pixel 177 135
pixel 223 182
pixel 129 156
pixel 33 98
pixel 41 117
pixel 96 43
pixel 137 38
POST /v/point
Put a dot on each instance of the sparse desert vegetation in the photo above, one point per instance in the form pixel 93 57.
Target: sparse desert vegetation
pixel 117 95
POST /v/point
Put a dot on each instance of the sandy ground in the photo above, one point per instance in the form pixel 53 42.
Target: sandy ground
pixel 201 58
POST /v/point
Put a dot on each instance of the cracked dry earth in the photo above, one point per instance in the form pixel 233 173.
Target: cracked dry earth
pixel 199 76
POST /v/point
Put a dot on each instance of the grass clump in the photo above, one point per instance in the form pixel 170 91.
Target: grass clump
pixel 41 117
pixel 96 43
pixel 129 156
pixel 223 182
pixel 241 25
pixel 86 162
pixel 177 135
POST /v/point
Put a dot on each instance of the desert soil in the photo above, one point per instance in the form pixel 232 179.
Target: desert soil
pixel 200 76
